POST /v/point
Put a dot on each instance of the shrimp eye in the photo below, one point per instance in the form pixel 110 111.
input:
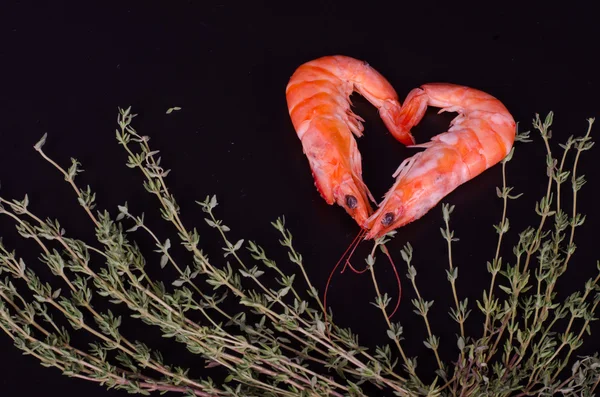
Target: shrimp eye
pixel 387 219
pixel 351 201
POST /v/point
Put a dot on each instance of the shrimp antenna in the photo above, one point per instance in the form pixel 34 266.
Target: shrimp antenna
pixel 355 243
pixel 387 253
pixel 352 247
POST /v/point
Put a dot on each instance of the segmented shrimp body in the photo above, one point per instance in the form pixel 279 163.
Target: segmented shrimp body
pixel 480 136
pixel 318 98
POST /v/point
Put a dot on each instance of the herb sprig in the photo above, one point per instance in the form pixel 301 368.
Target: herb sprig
pixel 281 344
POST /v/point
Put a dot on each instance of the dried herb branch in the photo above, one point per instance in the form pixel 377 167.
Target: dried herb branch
pixel 279 343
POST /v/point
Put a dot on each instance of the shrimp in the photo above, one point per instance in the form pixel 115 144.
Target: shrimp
pixel 478 138
pixel 318 99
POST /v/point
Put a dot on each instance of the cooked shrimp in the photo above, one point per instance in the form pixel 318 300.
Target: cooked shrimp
pixel 480 136
pixel 318 98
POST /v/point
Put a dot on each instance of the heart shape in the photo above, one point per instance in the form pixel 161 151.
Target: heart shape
pixel 318 98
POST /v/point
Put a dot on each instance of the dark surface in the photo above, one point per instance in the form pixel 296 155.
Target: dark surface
pixel 66 69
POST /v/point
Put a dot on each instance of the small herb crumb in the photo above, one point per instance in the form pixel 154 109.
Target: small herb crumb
pixel 170 110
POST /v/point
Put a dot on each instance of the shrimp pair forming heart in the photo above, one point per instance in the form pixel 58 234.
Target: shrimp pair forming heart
pixel 318 98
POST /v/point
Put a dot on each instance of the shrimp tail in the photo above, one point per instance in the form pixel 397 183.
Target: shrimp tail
pixel 413 110
pixel 392 118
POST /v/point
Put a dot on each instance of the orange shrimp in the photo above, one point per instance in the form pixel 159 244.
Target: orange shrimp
pixel 318 98
pixel 479 137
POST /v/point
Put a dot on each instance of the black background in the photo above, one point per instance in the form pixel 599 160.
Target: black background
pixel 66 67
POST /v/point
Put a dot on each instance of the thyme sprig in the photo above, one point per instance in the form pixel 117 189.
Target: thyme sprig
pixel 279 344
